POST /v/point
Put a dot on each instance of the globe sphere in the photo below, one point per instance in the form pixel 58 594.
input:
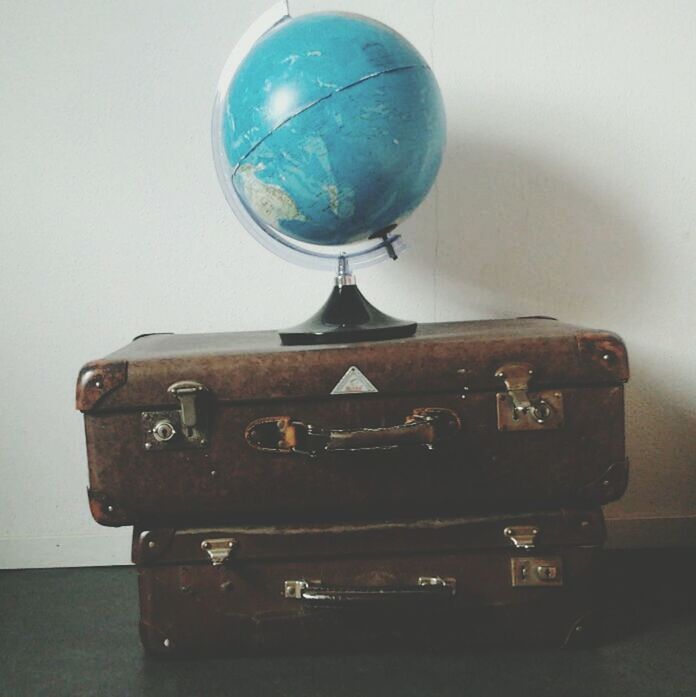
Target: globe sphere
pixel 333 127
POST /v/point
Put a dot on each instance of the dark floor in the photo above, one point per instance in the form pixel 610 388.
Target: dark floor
pixel 73 632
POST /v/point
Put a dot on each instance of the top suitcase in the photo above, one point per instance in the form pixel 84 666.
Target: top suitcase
pixel 462 417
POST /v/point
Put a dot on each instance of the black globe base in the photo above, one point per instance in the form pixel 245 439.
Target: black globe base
pixel 347 316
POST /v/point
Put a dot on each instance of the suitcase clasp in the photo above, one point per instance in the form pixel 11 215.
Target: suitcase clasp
pixel 517 410
pixel 172 429
pixel 522 536
pixel 219 550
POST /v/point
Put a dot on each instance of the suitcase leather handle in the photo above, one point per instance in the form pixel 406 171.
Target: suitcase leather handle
pixel 428 588
pixel 424 427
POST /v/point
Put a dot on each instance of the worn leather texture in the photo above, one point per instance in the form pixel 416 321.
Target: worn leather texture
pixel 251 377
pixel 189 606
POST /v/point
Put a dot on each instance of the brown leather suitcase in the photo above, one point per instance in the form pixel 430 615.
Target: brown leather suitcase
pixel 462 417
pixel 520 580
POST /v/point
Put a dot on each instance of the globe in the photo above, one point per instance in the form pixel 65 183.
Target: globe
pixel 328 130
pixel 333 129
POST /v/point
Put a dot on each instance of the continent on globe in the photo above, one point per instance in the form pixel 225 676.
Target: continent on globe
pixel 333 128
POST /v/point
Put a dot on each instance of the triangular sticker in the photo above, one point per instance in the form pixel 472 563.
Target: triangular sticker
pixel 353 382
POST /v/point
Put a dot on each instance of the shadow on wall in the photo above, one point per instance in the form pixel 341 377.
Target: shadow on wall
pixel 519 235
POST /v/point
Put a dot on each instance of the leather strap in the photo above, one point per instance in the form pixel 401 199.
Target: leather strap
pixel 424 427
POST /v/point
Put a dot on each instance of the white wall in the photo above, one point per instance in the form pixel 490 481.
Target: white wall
pixel 568 188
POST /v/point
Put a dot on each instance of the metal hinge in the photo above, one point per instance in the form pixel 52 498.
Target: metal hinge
pixel 183 428
pixel 219 550
pixel 517 410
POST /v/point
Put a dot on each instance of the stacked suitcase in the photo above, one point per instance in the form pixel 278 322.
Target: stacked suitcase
pixel 437 490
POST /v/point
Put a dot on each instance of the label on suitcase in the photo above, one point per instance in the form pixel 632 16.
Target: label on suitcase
pixel 521 580
pixel 461 417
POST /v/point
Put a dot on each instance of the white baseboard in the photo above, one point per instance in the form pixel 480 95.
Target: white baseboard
pixel 111 546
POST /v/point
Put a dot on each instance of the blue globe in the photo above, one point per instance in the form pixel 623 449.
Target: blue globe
pixel 333 127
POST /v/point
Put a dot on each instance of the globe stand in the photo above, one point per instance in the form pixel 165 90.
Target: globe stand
pixel 347 316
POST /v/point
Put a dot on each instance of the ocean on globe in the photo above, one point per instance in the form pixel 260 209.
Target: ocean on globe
pixel 333 128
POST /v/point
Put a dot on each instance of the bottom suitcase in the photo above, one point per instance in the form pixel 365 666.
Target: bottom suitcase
pixel 524 579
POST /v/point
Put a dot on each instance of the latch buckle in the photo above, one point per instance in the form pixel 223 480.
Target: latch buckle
pixel 522 536
pixel 518 410
pixel 187 392
pixel 183 428
pixel 219 550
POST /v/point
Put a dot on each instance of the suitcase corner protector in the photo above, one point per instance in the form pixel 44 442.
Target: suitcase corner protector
pixel 107 512
pixel 97 379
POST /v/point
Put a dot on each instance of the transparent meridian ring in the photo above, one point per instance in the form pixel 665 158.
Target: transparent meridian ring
pixel 328 130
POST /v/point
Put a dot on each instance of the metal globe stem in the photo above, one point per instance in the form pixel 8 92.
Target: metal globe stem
pixel 344 276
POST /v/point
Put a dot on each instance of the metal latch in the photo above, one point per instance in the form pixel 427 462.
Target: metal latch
pixel 182 428
pixel 219 550
pixel 188 392
pixel 522 536
pixel 536 571
pixel 520 411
